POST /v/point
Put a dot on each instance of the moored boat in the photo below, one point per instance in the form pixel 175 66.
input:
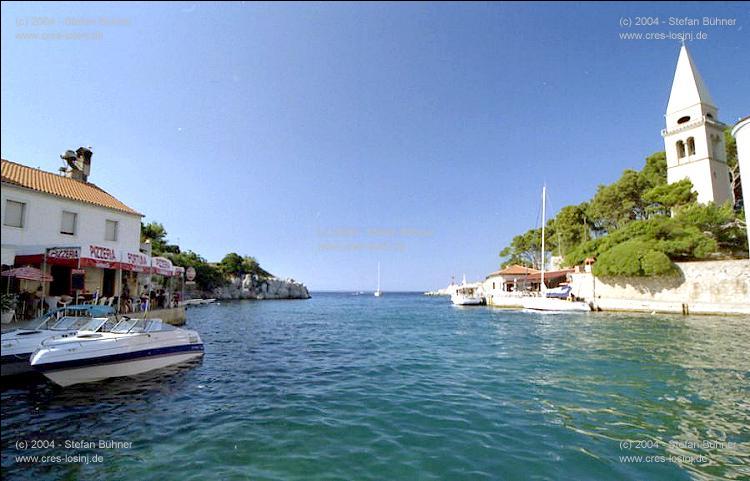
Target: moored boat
pixel 554 300
pixel 19 344
pixel 132 347
pixel 467 295
pixel 554 304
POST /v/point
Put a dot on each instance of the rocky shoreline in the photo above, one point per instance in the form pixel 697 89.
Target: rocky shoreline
pixel 251 287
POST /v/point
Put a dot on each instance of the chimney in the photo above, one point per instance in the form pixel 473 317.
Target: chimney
pixel 79 163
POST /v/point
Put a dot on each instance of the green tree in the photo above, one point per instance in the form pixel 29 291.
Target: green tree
pixel 639 225
pixel 730 146
pixel 251 266
pixel 616 204
pixel 654 172
pixel 570 228
pixel 633 258
pixel 155 234
pixel 207 277
pixel 524 249
pixel 665 198
pixel 720 222
pixel 232 264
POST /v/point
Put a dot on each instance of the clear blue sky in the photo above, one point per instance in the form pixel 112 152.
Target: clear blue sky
pixel 323 138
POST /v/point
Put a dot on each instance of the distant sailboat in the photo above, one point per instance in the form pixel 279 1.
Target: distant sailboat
pixel 378 293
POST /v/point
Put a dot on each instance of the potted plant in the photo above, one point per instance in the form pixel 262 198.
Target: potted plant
pixel 8 303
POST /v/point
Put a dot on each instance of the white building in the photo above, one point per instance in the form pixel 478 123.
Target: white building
pixel 741 132
pixel 694 138
pixel 67 225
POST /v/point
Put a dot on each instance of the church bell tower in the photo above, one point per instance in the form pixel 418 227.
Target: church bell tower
pixel 694 138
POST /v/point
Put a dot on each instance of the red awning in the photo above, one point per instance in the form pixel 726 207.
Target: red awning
pixel 162 266
pixel 136 262
pixel 548 276
pixel 89 255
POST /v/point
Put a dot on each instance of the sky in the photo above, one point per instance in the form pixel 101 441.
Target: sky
pixel 325 138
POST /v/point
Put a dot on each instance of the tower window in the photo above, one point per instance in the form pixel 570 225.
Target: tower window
pixel 691 146
pixel 710 116
pixel 680 149
pixel 684 119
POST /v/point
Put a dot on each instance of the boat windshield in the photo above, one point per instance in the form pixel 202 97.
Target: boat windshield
pixel 132 326
pixel 124 326
pixel 51 319
pixel 96 324
pixel 70 323
pixel 47 320
pixel 154 325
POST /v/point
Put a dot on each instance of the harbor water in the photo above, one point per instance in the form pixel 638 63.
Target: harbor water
pixel 345 387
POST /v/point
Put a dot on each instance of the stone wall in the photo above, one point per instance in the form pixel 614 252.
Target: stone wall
pixel 174 316
pixel 711 287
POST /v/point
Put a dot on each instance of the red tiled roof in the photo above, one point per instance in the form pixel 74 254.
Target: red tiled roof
pixel 49 183
pixel 514 270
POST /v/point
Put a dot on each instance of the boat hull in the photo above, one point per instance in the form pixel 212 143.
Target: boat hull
pixel 13 365
pixel 467 302
pixel 99 372
pixel 18 346
pixel 554 305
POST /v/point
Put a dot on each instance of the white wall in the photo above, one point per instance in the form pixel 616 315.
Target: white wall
pixel 705 287
pixel 43 217
pixel 741 132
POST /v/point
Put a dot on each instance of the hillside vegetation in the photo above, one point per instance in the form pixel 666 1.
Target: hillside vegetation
pixel 638 226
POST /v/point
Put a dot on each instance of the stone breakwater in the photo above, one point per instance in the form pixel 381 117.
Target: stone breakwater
pixel 250 287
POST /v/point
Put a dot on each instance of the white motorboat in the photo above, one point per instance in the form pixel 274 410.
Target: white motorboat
pixel 19 344
pixel 196 302
pixel 553 300
pixel 554 304
pixel 378 293
pixel 132 347
pixel 467 295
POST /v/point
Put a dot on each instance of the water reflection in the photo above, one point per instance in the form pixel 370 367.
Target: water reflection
pixel 677 383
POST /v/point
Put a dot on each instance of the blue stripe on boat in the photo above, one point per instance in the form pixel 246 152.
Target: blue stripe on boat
pixel 115 358
pixel 22 357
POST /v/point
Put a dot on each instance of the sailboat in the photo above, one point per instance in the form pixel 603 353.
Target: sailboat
pixel 549 299
pixel 378 293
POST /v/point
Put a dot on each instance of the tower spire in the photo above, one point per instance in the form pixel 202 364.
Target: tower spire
pixel 688 88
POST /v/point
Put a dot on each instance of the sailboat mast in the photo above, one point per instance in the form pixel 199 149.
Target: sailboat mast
pixel 378 276
pixel 544 221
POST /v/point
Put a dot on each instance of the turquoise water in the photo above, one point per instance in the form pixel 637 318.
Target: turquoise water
pixel 409 387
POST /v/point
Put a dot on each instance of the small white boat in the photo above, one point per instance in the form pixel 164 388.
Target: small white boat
pixel 132 347
pixel 378 293
pixel 197 302
pixel 19 344
pixel 467 295
pixel 554 304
